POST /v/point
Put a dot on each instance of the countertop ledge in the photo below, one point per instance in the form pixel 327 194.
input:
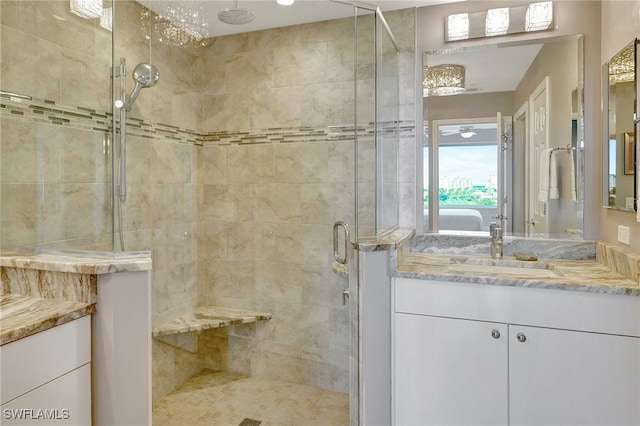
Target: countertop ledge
pixel 22 316
pixel 76 264
pixel 577 275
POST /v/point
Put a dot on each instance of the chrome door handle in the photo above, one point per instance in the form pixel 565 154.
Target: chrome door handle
pixel 521 337
pixel 347 239
pixel 495 334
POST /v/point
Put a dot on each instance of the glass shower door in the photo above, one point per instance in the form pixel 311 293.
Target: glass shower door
pixel 376 136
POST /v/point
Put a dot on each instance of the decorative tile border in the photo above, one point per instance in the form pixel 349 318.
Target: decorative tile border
pixel 50 112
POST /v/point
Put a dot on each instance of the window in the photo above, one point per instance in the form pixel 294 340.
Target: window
pixel 467 189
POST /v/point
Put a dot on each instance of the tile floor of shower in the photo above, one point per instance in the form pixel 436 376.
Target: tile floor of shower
pixel 228 399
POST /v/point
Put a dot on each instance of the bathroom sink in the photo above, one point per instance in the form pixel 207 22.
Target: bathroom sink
pixel 510 267
pixel 494 269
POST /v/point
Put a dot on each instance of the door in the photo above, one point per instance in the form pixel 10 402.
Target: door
pixel 450 371
pixel 520 172
pixel 504 143
pixel 371 198
pixel 560 377
pixel 538 143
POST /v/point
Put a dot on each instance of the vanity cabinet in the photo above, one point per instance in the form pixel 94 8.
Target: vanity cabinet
pixel 46 377
pixel 469 354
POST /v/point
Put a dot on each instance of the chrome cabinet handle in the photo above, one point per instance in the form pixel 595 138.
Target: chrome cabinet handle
pixel 495 334
pixel 521 337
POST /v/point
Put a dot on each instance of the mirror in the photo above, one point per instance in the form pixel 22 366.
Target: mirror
pixel 529 94
pixel 619 91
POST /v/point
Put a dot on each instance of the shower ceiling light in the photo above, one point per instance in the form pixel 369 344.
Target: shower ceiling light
pixel 285 2
pixel 443 80
pixel 183 24
pixel 88 9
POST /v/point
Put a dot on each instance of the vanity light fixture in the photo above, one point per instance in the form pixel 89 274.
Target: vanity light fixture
pixel 106 18
pixel 539 16
pixel 88 9
pixel 458 26
pixel 443 80
pixel 499 21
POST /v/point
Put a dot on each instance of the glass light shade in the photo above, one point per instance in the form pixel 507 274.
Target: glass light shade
pixel 622 67
pixel 539 16
pixel 443 80
pixel 458 26
pixel 88 9
pixel 106 18
pixel 184 24
pixel 497 21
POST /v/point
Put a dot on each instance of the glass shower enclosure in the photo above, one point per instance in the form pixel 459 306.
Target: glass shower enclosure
pixel 239 160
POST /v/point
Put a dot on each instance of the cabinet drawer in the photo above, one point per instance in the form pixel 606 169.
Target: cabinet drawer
pixel 564 309
pixel 30 362
pixel 63 401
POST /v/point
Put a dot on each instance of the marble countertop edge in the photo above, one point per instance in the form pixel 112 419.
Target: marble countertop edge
pixel 23 316
pixel 75 264
pixel 584 276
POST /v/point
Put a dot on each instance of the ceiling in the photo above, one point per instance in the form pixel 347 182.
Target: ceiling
pixel 482 65
pixel 269 14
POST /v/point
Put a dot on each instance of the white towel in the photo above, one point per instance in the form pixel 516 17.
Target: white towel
pixel 544 175
pixel 572 171
pixel 554 190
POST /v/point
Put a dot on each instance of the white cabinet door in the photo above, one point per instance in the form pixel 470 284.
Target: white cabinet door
pixel 450 371
pixel 560 377
pixel 63 401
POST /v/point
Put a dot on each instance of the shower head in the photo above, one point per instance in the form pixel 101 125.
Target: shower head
pixel 236 15
pixel 145 75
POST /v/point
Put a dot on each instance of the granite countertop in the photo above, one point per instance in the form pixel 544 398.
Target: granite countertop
pixel 22 316
pixel 42 290
pixel 79 263
pixel 566 274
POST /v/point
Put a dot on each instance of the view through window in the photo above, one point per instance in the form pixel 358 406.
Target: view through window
pixel 467 176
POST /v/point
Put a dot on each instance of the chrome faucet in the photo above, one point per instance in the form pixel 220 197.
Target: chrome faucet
pixel 496 233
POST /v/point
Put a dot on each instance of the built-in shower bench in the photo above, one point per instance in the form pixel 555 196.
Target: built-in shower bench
pixel 182 331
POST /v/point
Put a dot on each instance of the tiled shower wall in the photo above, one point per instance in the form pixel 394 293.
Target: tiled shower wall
pixel 244 225
pixel 54 175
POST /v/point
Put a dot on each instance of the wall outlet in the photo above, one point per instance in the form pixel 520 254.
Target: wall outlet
pixel 624 234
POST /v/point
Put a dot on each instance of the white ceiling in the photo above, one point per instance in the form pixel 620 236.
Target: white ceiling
pixel 483 65
pixel 269 14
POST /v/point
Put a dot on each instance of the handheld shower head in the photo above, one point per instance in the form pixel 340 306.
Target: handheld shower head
pixel 145 75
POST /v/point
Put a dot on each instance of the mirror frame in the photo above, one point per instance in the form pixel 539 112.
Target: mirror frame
pixel 607 137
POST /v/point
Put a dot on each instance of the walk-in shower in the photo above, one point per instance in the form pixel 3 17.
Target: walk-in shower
pixel 238 163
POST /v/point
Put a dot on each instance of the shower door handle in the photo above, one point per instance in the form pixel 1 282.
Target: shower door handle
pixel 336 251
